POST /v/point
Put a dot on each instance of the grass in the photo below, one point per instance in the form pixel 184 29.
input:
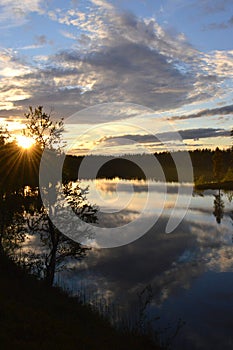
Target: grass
pixel 34 316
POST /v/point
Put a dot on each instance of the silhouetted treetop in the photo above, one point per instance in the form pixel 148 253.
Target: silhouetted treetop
pixel 45 131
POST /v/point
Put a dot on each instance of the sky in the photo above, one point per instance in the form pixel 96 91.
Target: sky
pixel 136 75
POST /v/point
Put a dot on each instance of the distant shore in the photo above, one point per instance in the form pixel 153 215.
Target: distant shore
pixel 225 185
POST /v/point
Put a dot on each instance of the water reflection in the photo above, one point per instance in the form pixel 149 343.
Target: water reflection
pixel 218 207
pixel 189 270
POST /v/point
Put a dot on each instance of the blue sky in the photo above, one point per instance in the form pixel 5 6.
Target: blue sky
pixel 172 57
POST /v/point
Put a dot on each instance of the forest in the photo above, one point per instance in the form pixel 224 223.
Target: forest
pixel 204 163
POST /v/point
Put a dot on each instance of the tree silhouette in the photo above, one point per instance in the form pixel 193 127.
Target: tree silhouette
pixel 217 165
pixel 4 135
pixel 47 134
pixel 12 198
pixel 12 225
pixel 60 246
pixel 45 131
pixel 218 207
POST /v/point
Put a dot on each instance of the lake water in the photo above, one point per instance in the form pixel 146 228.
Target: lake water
pixel 189 270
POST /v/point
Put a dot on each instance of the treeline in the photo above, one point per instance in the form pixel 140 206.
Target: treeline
pixel 154 166
pixel 21 168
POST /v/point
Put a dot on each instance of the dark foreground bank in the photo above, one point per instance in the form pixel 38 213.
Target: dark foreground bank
pixel 33 316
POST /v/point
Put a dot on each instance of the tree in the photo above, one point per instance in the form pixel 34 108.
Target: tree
pixel 47 134
pixel 59 246
pixel 217 165
pixel 12 228
pixel 18 168
pixel 218 207
pixel 4 135
pixel 10 199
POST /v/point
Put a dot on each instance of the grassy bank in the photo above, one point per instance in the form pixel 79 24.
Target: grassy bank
pixel 33 316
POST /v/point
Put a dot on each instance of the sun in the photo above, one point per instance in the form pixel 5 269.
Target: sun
pixel 25 142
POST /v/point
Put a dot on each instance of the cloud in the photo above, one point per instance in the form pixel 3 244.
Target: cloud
pixel 213 6
pixel 166 262
pixel 14 13
pixel 175 264
pixel 116 57
pixel 226 110
pixel 221 25
pixel 68 35
pixel 41 40
pixel 103 4
pixel 189 134
pixel 11 69
pixel 128 59
pixel 125 58
pixel 129 72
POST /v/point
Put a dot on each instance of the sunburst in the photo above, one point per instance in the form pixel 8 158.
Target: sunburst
pixel 25 141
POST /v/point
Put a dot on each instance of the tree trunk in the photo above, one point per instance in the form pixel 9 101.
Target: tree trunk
pixel 50 271
pixel 51 267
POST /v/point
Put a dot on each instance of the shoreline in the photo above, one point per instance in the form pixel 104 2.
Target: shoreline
pixel 225 185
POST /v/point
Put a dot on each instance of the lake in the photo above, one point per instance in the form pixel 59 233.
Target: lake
pixel 188 270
